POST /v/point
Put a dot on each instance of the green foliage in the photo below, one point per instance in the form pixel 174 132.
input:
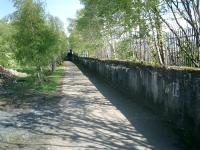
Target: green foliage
pixel 124 51
pixel 103 22
pixel 30 82
pixel 33 37
pixel 6 44
pixel 58 49
pixel 39 38
pixel 85 33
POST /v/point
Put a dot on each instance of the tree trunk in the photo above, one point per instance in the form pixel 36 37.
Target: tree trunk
pixel 53 65
pixel 159 36
pixel 40 75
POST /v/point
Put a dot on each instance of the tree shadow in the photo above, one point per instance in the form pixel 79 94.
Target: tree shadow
pixel 152 126
pixel 88 114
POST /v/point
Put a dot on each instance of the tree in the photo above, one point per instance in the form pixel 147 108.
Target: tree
pixel 60 41
pixel 6 44
pixel 36 38
pixel 85 33
pixel 126 22
pixel 112 20
pixel 189 11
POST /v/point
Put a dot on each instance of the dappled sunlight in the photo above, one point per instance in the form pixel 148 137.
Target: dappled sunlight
pixel 87 115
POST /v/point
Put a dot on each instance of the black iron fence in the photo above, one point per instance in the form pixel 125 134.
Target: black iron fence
pixel 179 50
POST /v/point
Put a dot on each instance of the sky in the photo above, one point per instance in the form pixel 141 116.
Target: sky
pixel 61 8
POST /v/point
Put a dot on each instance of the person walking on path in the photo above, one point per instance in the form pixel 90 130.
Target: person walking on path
pixel 70 55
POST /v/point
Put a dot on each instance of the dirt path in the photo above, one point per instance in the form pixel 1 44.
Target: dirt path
pixel 88 115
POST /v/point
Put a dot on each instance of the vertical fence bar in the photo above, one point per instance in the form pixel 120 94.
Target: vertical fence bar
pixel 175 55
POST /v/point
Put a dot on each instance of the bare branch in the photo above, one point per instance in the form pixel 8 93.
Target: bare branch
pixel 179 42
pixel 170 6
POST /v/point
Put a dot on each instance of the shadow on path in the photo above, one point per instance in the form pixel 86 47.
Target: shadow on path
pixel 87 115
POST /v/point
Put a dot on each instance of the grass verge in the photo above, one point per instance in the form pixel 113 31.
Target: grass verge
pixel 49 86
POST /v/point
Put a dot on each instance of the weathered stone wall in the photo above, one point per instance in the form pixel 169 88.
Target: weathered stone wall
pixel 174 93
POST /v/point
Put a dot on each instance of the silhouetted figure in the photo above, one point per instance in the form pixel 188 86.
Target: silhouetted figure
pixel 70 55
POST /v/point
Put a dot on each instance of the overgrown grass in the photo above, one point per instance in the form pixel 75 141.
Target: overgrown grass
pixel 53 81
pixel 30 82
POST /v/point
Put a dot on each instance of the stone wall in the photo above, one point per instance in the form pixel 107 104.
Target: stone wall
pixel 172 92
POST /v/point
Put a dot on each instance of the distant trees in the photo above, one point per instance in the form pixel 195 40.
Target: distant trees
pixel 110 21
pixel 57 50
pixel 103 24
pixel 86 32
